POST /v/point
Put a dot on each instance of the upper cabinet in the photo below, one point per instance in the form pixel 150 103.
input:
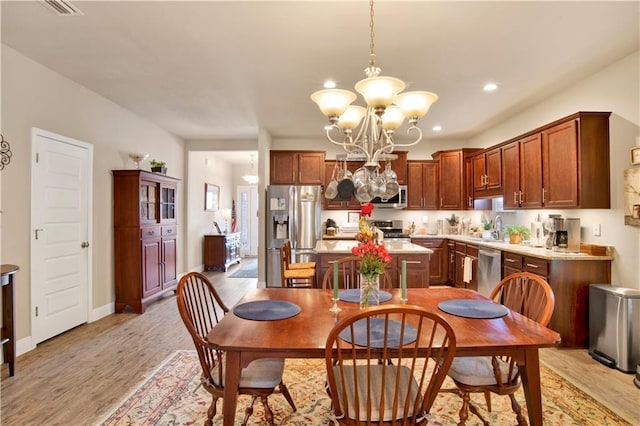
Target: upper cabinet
pixel 456 185
pixel 422 185
pixel 487 173
pixel 562 165
pixel 296 167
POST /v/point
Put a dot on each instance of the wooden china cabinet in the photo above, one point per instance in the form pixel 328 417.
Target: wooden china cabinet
pixel 145 233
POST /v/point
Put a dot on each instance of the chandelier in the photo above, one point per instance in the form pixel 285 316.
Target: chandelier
pixel 372 142
pixel 251 177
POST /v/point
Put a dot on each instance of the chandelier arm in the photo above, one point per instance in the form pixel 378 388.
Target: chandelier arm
pixel 418 137
pixel 347 143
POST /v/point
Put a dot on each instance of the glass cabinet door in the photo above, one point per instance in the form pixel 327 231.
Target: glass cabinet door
pixel 167 203
pixel 148 202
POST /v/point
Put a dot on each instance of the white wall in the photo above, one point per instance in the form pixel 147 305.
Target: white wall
pixel 34 96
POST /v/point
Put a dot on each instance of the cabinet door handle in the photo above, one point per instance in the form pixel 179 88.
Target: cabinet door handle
pixel 169 231
pixel 532 266
pixel 543 195
pixel 510 260
pixel 520 197
pixel 151 233
pixel 515 197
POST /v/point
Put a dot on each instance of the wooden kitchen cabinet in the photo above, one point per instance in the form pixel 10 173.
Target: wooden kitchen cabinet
pixel 456 180
pixel 438 263
pixel 575 162
pixel 451 262
pixel 296 167
pixel 422 185
pixel 399 165
pixel 487 173
pixel 564 164
pixel 221 251
pixel 569 280
pixel 145 237
pixel 463 250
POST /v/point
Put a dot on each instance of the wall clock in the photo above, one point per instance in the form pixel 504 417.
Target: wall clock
pixel 635 155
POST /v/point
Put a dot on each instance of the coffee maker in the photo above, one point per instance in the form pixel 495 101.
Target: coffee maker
pixel 551 225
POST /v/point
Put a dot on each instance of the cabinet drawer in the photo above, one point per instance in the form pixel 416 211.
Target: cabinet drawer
pixel 414 261
pixel 150 232
pixel 472 251
pixel 512 260
pixel 536 266
pixel 428 243
pixel 168 230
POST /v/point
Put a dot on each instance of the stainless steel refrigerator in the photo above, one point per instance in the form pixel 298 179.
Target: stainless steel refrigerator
pixel 293 213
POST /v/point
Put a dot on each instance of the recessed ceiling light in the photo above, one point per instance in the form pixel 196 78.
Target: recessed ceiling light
pixel 329 84
pixel 490 87
pixel 436 128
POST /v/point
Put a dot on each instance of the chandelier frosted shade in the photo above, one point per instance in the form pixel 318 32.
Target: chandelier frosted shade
pixel 392 118
pixel 379 92
pixel 415 104
pixel 333 102
pixel 352 117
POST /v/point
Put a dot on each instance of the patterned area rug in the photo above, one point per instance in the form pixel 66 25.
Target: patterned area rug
pixel 171 396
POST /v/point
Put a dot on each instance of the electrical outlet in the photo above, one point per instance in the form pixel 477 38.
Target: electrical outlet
pixel 597 230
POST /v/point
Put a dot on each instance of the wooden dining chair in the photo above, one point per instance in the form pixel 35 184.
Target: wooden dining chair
pixel 349 274
pixel 529 295
pixel 385 364
pixel 295 275
pixel 200 309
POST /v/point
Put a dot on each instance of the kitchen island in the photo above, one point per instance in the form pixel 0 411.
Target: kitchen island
pixel 417 270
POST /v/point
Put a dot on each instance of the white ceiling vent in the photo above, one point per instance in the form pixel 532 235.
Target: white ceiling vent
pixel 62 7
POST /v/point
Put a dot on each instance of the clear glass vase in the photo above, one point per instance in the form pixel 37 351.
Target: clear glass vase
pixel 369 291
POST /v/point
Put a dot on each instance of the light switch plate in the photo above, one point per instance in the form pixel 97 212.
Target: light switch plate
pixel 597 230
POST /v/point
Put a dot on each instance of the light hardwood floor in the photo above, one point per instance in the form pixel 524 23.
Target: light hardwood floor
pixel 75 378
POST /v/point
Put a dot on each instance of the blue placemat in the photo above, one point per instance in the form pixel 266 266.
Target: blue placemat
pixel 352 295
pixel 377 333
pixel 471 308
pixel 266 310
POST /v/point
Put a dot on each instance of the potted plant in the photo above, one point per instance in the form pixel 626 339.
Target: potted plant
pixel 517 233
pixel 158 166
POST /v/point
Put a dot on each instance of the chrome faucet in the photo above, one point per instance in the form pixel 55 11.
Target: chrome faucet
pixel 497 228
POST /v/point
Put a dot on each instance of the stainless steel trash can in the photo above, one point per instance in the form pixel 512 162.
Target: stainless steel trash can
pixel 614 326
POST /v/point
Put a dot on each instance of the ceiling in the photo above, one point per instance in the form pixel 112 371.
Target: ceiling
pixel 224 69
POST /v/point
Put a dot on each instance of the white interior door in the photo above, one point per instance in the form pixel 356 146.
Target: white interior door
pixel 61 176
pixel 247 213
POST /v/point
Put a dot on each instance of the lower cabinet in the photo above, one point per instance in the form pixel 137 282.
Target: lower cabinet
pixel 569 280
pixel 462 251
pixel 221 251
pixel 438 263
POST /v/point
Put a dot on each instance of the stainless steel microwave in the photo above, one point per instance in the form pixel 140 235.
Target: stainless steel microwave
pixel 398 201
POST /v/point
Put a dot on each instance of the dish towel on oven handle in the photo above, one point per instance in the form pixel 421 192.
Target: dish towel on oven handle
pixel 466 270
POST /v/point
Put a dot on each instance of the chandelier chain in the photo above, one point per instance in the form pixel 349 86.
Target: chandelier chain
pixel 372 55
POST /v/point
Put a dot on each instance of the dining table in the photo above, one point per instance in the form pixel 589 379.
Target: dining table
pixel 303 334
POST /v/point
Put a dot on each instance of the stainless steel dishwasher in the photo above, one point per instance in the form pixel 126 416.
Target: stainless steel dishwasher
pixel 489 269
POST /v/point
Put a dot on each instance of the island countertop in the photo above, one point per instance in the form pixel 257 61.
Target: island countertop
pixel 345 246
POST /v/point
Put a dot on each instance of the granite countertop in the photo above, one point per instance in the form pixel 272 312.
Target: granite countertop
pixel 539 252
pixel 345 246
pixel 340 236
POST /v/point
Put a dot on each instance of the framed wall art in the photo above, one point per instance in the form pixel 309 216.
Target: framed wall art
pixel 211 197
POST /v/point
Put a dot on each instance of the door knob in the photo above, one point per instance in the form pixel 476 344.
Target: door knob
pixel 84 244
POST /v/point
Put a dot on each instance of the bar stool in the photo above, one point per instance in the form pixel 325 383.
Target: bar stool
pixel 296 275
